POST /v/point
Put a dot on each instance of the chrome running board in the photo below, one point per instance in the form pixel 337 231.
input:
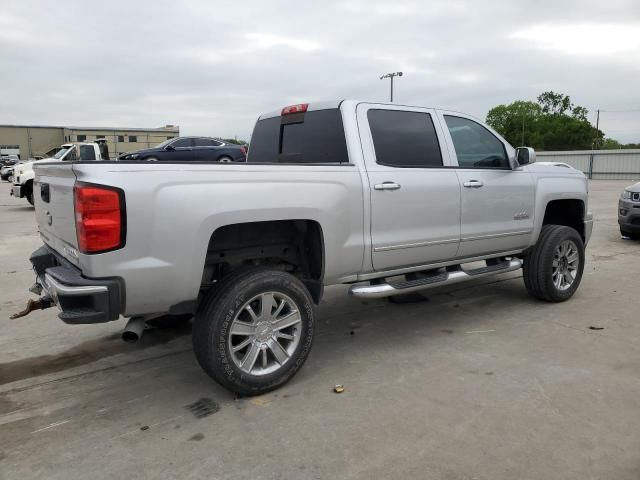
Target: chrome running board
pixel 381 290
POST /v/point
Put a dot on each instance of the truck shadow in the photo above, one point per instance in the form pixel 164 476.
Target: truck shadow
pixel 341 321
pixel 86 352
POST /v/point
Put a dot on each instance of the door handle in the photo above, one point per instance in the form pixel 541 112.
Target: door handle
pixel 387 186
pixel 473 184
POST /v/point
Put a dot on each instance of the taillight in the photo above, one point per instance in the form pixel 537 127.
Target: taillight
pixel 99 218
pixel 243 149
pixel 299 108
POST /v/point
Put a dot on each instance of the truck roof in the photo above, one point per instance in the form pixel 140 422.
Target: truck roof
pixel 327 104
pixel 322 105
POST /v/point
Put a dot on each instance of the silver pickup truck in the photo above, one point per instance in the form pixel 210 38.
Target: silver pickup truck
pixel 387 198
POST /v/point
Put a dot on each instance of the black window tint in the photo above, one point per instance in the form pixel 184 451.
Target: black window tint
pixel 404 139
pixel 476 147
pixel 87 152
pixel 315 137
pixel 82 138
pixel 203 142
pixel 181 142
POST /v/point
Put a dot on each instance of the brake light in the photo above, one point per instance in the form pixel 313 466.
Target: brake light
pixel 243 150
pixel 299 108
pixel 99 218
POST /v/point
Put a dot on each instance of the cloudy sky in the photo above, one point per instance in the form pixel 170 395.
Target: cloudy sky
pixel 213 66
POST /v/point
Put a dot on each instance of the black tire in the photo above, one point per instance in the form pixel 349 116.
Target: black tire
pixel 538 264
pixel 29 196
pixel 212 327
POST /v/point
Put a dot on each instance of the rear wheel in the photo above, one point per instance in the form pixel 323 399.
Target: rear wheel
pixel 553 268
pixel 255 330
pixel 225 159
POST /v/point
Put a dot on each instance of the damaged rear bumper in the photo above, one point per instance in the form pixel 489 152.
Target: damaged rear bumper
pixel 81 300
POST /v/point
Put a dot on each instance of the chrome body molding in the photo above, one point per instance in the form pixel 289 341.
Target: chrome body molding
pixel 497 235
pixel 412 245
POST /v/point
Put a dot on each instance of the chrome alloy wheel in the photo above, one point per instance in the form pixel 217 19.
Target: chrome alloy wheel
pixel 566 260
pixel 264 333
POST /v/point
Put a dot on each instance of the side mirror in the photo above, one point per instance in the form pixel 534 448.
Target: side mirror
pixel 525 155
pixel 170 148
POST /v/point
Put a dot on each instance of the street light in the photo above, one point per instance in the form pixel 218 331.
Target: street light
pixel 390 76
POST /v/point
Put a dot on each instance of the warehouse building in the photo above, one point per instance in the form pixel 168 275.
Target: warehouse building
pixel 29 141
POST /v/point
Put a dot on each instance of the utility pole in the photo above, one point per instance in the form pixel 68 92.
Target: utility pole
pixel 390 76
pixel 597 127
pixel 522 142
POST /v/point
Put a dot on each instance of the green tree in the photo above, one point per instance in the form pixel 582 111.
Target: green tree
pixel 551 123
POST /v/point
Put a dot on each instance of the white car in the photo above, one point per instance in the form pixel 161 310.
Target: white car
pixel 23 174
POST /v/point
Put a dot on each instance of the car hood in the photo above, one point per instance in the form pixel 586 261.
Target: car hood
pixel 29 165
pixel 553 167
pixel 634 188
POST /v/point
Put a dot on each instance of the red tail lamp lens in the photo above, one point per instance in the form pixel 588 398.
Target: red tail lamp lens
pixel 99 218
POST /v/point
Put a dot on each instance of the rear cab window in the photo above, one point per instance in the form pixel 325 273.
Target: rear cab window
pixel 311 137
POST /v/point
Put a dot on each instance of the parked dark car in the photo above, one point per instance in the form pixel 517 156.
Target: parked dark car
pixel 190 149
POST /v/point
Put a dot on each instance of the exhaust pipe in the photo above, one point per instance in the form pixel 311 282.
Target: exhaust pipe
pixel 134 329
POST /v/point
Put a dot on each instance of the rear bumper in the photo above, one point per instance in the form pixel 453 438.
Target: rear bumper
pixel 81 300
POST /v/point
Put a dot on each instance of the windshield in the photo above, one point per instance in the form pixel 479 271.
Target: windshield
pixel 61 153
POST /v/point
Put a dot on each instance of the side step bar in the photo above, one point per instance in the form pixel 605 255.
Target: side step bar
pixel 381 290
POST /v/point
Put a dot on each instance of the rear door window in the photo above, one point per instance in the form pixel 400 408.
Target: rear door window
pixel 316 136
pixel 87 152
pixel 404 139
pixel 204 142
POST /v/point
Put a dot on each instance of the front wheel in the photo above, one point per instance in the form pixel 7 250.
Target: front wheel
pixel 553 268
pixel 255 330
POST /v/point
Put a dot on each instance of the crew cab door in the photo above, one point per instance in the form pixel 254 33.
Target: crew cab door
pixel 497 201
pixel 415 195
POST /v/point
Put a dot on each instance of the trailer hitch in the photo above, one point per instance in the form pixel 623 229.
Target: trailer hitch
pixel 40 304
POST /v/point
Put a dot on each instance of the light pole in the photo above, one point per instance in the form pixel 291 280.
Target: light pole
pixel 390 76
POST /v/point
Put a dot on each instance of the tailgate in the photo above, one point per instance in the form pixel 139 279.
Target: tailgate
pixel 53 200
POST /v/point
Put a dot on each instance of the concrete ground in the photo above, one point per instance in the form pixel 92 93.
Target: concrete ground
pixel 479 382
